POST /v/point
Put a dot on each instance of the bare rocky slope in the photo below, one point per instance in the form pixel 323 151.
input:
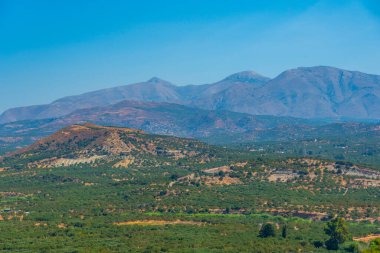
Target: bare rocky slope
pixel 90 143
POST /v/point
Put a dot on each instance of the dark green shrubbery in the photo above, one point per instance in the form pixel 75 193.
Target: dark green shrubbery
pixel 267 230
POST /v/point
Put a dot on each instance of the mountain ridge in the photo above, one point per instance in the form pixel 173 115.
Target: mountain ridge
pixel 304 92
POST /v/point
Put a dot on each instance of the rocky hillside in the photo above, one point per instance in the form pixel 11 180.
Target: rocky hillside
pixel 89 143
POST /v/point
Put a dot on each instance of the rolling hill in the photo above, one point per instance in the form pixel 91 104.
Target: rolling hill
pixel 90 143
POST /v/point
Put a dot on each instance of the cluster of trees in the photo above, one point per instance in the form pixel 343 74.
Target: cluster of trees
pixel 268 230
pixel 336 229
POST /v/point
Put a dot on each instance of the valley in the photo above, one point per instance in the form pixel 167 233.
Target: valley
pixel 125 186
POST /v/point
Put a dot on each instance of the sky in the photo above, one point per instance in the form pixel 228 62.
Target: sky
pixel 51 49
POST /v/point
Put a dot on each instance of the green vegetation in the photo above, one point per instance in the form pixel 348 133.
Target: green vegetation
pixel 73 209
pixel 374 247
pixel 284 231
pixel 267 230
pixel 363 150
pixel 179 195
pixel 338 232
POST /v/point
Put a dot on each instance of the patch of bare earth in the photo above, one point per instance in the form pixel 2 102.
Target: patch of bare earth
pixel 221 181
pixel 226 168
pixel 218 169
pixel 61 225
pixel 68 162
pixel 38 224
pixel 57 162
pixel 124 163
pixel 282 177
pixel 366 239
pixel 157 223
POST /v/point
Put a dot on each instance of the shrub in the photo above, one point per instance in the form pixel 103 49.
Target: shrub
pixel 267 230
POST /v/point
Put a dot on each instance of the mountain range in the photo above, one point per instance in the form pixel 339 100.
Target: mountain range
pixel 213 126
pixel 216 126
pixel 306 92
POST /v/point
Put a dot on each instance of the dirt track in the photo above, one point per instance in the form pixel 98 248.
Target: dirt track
pixel 367 238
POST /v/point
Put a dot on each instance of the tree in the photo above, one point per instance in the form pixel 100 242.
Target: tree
pixel 267 230
pixel 284 231
pixel 338 232
pixel 353 248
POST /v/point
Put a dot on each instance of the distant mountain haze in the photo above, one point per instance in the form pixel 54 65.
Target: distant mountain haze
pixel 153 117
pixel 320 92
pixel 306 92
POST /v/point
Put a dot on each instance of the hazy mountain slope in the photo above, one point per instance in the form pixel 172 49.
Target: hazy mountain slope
pixel 315 92
pixel 320 92
pixel 223 94
pixel 154 89
pixel 248 79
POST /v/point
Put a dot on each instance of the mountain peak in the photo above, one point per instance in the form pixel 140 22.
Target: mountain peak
pixel 156 80
pixel 247 77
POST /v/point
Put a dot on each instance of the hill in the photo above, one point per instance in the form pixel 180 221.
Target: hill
pixel 90 143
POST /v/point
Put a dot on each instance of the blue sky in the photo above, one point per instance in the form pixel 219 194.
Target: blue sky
pixel 51 49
